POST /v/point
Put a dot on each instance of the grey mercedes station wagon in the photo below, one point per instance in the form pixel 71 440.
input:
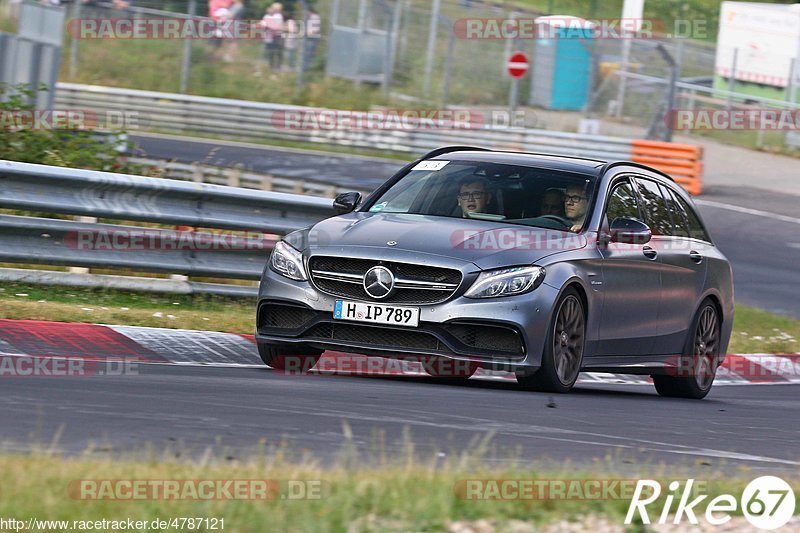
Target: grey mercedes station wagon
pixel 541 265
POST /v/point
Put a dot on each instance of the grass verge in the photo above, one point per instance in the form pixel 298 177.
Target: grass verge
pixel 754 330
pixel 75 304
pixel 408 493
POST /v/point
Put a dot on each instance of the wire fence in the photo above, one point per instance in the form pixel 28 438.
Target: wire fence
pixel 408 51
pixel 426 62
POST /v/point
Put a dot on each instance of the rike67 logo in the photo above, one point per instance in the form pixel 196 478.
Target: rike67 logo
pixel 767 502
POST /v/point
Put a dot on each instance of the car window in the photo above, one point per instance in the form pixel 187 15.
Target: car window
pixel 696 229
pixel 680 221
pixel 622 203
pixel 400 198
pixel 494 192
pixel 654 207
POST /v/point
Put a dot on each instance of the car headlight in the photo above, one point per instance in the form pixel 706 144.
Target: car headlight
pixel 288 262
pixel 506 282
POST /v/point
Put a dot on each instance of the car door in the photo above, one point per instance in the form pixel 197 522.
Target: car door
pixel 682 278
pixel 631 283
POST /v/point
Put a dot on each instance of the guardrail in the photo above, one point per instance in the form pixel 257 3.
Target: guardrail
pixel 684 162
pixel 690 90
pixel 239 177
pixel 187 114
pixel 254 216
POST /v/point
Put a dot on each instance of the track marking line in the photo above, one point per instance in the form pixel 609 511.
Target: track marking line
pixel 527 431
pixel 748 211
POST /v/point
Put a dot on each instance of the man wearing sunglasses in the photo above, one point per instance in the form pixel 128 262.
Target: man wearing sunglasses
pixel 473 197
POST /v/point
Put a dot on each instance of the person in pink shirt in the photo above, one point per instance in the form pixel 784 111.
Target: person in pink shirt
pixel 215 5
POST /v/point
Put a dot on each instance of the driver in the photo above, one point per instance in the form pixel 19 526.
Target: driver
pixel 552 203
pixel 473 196
pixel 575 205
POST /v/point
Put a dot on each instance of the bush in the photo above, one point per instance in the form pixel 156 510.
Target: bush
pixel 48 146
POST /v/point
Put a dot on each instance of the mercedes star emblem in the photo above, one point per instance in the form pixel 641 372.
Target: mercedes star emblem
pixel 379 282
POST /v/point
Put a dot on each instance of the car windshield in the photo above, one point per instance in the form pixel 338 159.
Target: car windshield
pixel 510 194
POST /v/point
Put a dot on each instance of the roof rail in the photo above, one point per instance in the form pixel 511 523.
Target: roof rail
pixel 612 164
pixel 448 149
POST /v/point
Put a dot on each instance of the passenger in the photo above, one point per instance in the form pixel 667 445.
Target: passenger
pixel 473 197
pixel 575 205
pixel 552 203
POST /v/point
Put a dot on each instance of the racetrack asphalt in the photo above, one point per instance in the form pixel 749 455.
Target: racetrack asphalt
pixel 238 411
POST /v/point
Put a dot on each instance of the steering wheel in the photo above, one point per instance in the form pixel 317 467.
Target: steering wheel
pixel 561 220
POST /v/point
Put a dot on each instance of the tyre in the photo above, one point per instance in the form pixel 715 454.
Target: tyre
pixel 444 367
pixel 289 360
pixel 698 366
pixel 563 351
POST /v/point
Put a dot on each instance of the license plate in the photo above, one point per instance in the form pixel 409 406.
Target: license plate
pixel 376 313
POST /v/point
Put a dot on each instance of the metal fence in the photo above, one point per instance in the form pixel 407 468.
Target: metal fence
pixel 254 218
pixel 32 56
pixel 186 114
pixel 413 41
pixel 238 177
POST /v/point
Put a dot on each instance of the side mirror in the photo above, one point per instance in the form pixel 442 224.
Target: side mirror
pixel 346 202
pixel 630 231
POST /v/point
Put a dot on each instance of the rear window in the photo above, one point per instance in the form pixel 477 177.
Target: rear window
pixel 680 220
pixel 696 229
pixel 655 209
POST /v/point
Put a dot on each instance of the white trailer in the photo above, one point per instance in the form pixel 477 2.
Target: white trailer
pixel 765 39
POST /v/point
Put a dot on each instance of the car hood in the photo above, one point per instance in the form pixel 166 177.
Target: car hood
pixel 486 244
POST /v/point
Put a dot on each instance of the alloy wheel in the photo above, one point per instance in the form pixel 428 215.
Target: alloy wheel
pixel 706 346
pixel 568 339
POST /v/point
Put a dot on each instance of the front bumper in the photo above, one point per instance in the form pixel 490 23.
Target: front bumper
pixel 497 333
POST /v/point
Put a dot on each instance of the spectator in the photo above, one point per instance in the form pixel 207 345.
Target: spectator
pixel 215 5
pixel 313 31
pixel 124 6
pixel 273 35
pixel 236 15
pixel 13 9
pixel 222 17
pixel 552 203
pixel 290 42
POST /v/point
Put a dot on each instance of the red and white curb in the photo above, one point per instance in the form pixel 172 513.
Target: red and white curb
pixel 40 339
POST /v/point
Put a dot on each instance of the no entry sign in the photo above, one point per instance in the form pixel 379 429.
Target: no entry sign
pixel 517 65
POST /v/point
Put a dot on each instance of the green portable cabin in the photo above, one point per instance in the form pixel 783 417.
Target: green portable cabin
pixel 562 70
